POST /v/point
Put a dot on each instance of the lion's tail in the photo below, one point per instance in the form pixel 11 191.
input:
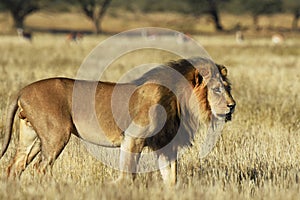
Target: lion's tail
pixel 12 109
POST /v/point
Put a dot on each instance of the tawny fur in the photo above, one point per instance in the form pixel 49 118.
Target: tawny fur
pixel 48 119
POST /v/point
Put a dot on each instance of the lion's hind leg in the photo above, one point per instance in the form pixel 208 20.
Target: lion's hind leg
pixel 24 154
pixel 34 151
pixel 51 147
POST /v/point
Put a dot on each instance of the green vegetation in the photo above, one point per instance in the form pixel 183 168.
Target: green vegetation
pixel 256 158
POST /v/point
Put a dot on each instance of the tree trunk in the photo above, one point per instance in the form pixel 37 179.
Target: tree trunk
pixel 213 11
pixel 97 26
pixel 255 22
pixel 217 22
pixel 18 20
pixel 100 16
pixel 295 20
pixel 90 10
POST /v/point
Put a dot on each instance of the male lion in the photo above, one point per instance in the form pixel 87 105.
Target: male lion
pixel 164 109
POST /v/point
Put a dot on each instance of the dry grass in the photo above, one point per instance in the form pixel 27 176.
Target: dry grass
pixel 257 157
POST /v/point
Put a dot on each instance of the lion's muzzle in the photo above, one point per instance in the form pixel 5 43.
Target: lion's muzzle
pixel 228 116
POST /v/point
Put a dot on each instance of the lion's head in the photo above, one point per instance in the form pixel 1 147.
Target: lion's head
pixel 227 97
pixel 210 86
pixel 216 93
pixel 213 93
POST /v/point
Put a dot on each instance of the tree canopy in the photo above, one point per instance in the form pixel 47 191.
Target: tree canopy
pixel 20 9
pixel 96 9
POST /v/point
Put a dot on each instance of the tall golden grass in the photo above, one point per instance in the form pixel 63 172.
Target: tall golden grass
pixel 256 158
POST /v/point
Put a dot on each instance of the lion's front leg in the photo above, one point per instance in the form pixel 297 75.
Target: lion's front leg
pixel 168 170
pixel 131 149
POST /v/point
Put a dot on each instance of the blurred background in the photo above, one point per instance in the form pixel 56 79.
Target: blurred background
pixel 112 16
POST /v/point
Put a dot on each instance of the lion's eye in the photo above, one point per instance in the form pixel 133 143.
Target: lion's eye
pixel 217 90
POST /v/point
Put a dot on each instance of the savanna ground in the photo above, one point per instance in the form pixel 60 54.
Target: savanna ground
pixel 256 158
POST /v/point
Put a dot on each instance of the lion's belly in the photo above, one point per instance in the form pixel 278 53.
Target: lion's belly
pixel 99 127
pixel 94 121
pixel 95 134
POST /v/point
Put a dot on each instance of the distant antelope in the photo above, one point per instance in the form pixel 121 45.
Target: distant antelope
pixel 74 37
pixel 239 37
pixel 182 38
pixel 24 35
pixel 277 38
pixel 149 35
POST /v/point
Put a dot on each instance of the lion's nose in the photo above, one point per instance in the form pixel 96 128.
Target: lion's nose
pixel 231 105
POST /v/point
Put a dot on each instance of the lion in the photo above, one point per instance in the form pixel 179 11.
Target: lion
pixel 164 109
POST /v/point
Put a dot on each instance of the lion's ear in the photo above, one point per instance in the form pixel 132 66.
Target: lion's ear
pixel 222 70
pixel 199 76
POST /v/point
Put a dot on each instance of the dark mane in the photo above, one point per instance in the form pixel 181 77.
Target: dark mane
pixel 162 72
pixel 184 119
pixel 181 122
pixel 185 67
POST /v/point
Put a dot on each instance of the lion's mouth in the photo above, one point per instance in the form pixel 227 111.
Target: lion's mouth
pixel 226 116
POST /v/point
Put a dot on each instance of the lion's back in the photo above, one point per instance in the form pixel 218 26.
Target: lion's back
pixel 49 90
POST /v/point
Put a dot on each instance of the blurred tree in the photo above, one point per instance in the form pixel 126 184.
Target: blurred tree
pixel 294 7
pixel 214 12
pixel 211 7
pixel 257 8
pixel 20 9
pixel 95 11
pixel 158 5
